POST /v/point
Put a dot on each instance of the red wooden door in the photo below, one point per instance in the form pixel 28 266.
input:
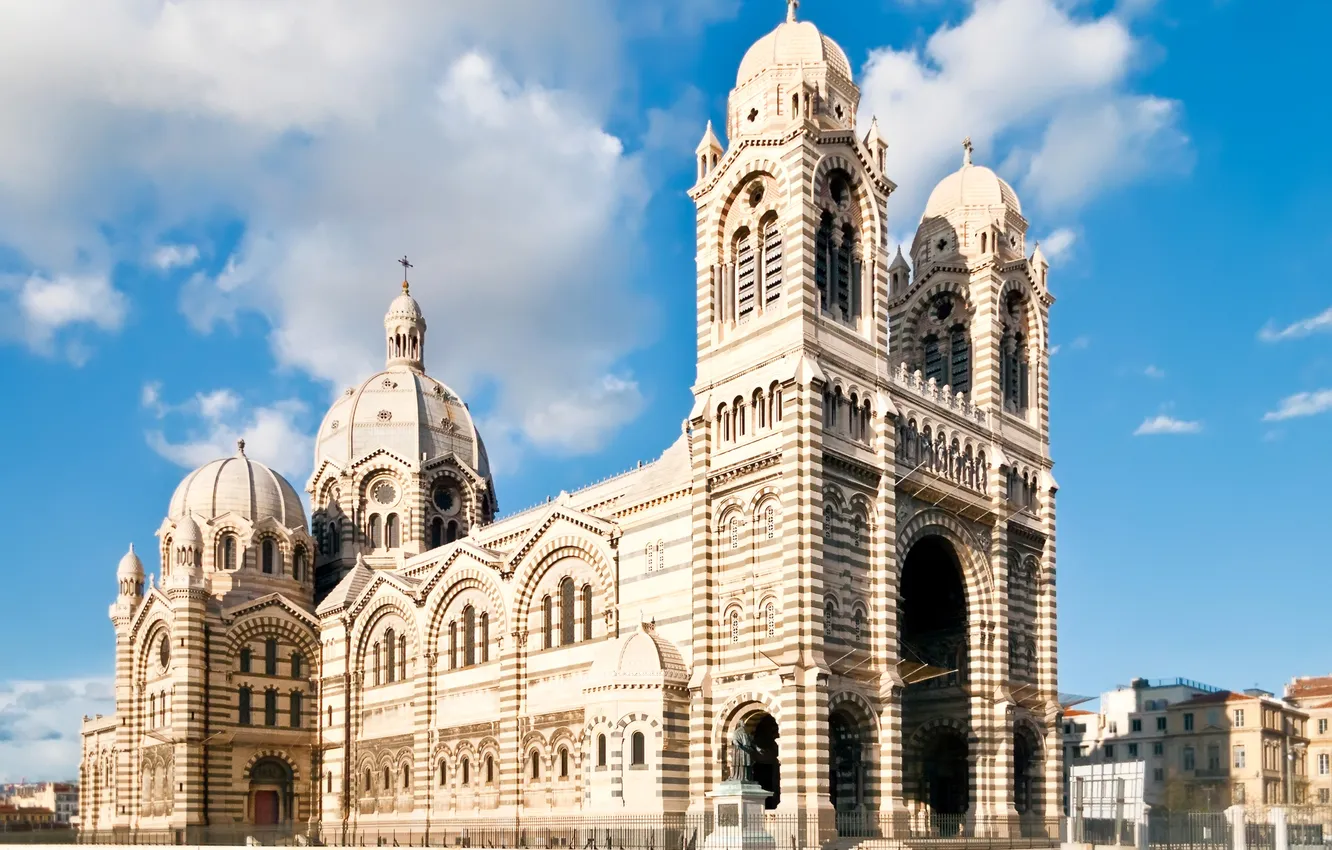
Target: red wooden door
pixel 265 808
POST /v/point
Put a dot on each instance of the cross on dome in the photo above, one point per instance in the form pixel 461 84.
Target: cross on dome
pixel 966 151
pixel 791 6
pixel 240 447
pixel 405 266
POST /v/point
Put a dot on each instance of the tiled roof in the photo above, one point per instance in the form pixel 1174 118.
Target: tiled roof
pixel 1076 712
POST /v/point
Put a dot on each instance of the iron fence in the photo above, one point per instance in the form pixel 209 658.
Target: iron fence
pixel 1188 830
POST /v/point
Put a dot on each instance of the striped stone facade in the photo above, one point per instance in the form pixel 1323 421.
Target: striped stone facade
pixel 845 555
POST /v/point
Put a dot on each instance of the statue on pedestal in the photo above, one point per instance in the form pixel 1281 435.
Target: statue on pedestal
pixel 743 751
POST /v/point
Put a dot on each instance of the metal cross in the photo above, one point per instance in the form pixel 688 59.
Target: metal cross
pixel 791 6
pixel 966 148
pixel 405 266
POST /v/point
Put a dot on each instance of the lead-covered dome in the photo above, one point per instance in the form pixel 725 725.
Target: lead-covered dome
pixel 970 187
pixel 237 485
pixel 793 44
pixel 404 412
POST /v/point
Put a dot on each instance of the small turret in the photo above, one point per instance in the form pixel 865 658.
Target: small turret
pixel 1039 265
pixel 709 152
pixel 129 575
pixel 186 553
pixel 877 147
pixel 899 273
pixel 404 329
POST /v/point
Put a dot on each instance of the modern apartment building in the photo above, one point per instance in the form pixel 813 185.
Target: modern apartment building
pixel 1201 747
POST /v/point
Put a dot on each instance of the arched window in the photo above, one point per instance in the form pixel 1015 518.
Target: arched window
pixel 388 780
pixel 329 717
pixel 295 665
pixel 740 415
pixel 649 558
pixel 245 659
pixel 269 556
pixel 485 636
pixel 775 400
pixel 638 749
pixel 745 275
pixel 436 532
pixel 228 554
pixel 983 242
pixel 567 633
pixel 451 532
pixel 723 431
pixel 328 783
pixel 760 411
pixel 391 532
pixel 374 663
pixel 270 707
pixel 601 751
pixel 848 288
pixel 661 554
pixel 453 644
pixel 490 770
pixel 294 712
pixel 469 635
pixel 770 521
pixel 564 763
pixel 934 362
pixel 535 759
pixel 959 373
pixel 735 626
pixel 587 612
pixel 735 532
pixel 442 774
pixel 270 657
pixel 152 710
pixel 825 260
pixel 335 533
pixel 369 785
pixel 547 622
pixel 829 613
pixel 298 564
pixel 772 260
pixel 402 657
pixel 406 777
pixel 770 619
pixel 376 535
pixel 390 654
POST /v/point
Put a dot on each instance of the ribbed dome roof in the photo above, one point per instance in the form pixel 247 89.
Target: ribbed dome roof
pixel 793 43
pixel 405 412
pixel 404 306
pixel 641 657
pixel 237 485
pixel 187 533
pixel 971 186
pixel 130 566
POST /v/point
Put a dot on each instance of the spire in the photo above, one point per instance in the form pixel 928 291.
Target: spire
pixel 791 6
pixel 873 135
pixel 966 151
pixel 709 141
pixel 899 261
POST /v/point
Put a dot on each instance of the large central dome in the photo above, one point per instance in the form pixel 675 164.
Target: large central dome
pixel 793 44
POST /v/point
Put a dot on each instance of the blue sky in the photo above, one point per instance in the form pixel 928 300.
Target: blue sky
pixel 199 222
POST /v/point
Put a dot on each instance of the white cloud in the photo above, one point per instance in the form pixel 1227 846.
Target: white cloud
pixel 43 307
pixel 1154 371
pixel 1301 404
pixel 1167 425
pixel 1320 323
pixel 274 434
pixel 1058 246
pixel 1035 75
pixel 171 256
pixel 39 726
pixel 342 134
pixel 580 423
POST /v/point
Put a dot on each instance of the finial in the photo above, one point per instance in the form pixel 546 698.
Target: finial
pixel 791 6
pixel 240 447
pixel 405 266
pixel 131 547
pixel 966 151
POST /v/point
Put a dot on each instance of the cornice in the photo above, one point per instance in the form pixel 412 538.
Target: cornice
pixel 856 469
pixel 744 468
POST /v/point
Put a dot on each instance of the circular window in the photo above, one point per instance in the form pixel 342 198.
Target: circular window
pixel 445 499
pixel 384 492
pixel 164 652
pixel 756 196
pixel 385 416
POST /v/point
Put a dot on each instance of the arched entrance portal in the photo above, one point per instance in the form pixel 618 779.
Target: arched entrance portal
pixel 932 611
pixel 270 796
pixel 765 767
pixel 846 768
pixel 1026 771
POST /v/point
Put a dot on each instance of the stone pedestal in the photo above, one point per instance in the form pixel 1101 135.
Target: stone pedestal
pixel 737 808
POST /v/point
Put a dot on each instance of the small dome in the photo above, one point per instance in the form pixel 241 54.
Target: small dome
pixel 130 565
pixel 641 657
pixel 792 44
pixel 187 533
pixel 404 306
pixel 971 186
pixel 237 485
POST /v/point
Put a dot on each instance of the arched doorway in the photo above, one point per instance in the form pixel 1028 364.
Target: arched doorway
pixel 1026 770
pixel 932 613
pixel 270 795
pixel 846 766
pixel 765 766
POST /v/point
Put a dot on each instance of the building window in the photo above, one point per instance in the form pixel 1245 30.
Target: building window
pixel 270 657
pixel 1114 728
pixel 270 707
pixel 436 532
pixel 485 636
pixel 1239 756
pixel 295 718
pixel 388 780
pixel 466 772
pixel 587 608
pixel 567 632
pixel 453 644
pixel 1322 764
pixel 1188 722
pixel 390 654
pixel 245 659
pixel 1160 724
pixel 469 635
pixel 376 535
pixel 770 619
pixel 1324 795
pixel 638 749
pixel 490 770
pixel 1158 749
pixel 443 774
pixel 1188 762
pixel 1135 725
pixel 1158 774
pixel 735 626
pixel 228 552
pixel 735 532
pixel 535 760
pixel 564 763
pixel 601 751
pixel 268 556
pixel 1133 751
pixel 548 622
pixel 770 521
pixel 391 531
pixel 1239 717
pixel 1322 726
pixel 1109 751
pixel 1213 757
pixel 329 717
pixel 295 665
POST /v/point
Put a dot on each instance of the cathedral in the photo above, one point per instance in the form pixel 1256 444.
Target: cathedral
pixel 847 557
